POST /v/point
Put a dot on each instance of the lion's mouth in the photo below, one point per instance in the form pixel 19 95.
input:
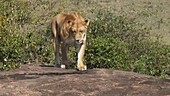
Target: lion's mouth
pixel 79 41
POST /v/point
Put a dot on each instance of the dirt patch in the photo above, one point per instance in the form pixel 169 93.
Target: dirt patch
pixel 35 80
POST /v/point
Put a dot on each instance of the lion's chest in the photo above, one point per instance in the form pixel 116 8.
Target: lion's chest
pixel 69 41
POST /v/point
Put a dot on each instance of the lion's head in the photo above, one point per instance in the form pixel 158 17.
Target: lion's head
pixel 77 28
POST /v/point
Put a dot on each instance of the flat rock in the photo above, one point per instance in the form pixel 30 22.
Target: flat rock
pixel 36 80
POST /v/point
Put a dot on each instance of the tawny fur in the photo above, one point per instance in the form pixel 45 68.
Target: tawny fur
pixel 69 29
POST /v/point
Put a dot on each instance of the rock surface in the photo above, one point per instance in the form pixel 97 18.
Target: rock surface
pixel 35 80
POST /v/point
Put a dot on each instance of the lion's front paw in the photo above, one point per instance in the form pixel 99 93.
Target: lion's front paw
pixel 81 67
pixel 63 66
pixel 60 66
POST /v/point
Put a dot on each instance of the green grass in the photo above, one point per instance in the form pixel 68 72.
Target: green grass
pixel 130 30
pixel 153 13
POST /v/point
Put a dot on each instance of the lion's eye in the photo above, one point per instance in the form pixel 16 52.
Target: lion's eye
pixel 81 31
pixel 74 32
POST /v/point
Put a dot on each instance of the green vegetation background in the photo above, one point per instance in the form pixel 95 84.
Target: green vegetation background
pixel 126 35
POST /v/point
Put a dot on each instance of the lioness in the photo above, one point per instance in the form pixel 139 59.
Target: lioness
pixel 69 29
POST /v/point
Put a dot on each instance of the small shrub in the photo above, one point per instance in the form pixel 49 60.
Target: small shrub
pixel 38 46
pixel 113 42
pixel 121 43
pixel 108 53
pixel 13 16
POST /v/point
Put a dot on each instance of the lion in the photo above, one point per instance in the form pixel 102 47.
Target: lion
pixel 69 29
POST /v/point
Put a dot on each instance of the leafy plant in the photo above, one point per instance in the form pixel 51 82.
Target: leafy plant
pixel 121 43
pixel 11 20
pixel 116 42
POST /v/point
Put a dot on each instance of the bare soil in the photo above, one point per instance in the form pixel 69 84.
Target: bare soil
pixel 38 80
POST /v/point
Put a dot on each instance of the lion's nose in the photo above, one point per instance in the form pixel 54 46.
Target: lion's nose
pixel 79 41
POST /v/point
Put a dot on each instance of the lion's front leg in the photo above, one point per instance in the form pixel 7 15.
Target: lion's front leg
pixel 56 52
pixel 64 49
pixel 81 51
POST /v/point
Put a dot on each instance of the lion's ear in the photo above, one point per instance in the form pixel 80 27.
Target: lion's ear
pixel 87 22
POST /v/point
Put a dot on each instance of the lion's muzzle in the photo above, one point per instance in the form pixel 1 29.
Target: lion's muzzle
pixel 79 41
pixel 82 39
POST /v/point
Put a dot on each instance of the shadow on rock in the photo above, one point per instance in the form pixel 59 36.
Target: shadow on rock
pixel 18 76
